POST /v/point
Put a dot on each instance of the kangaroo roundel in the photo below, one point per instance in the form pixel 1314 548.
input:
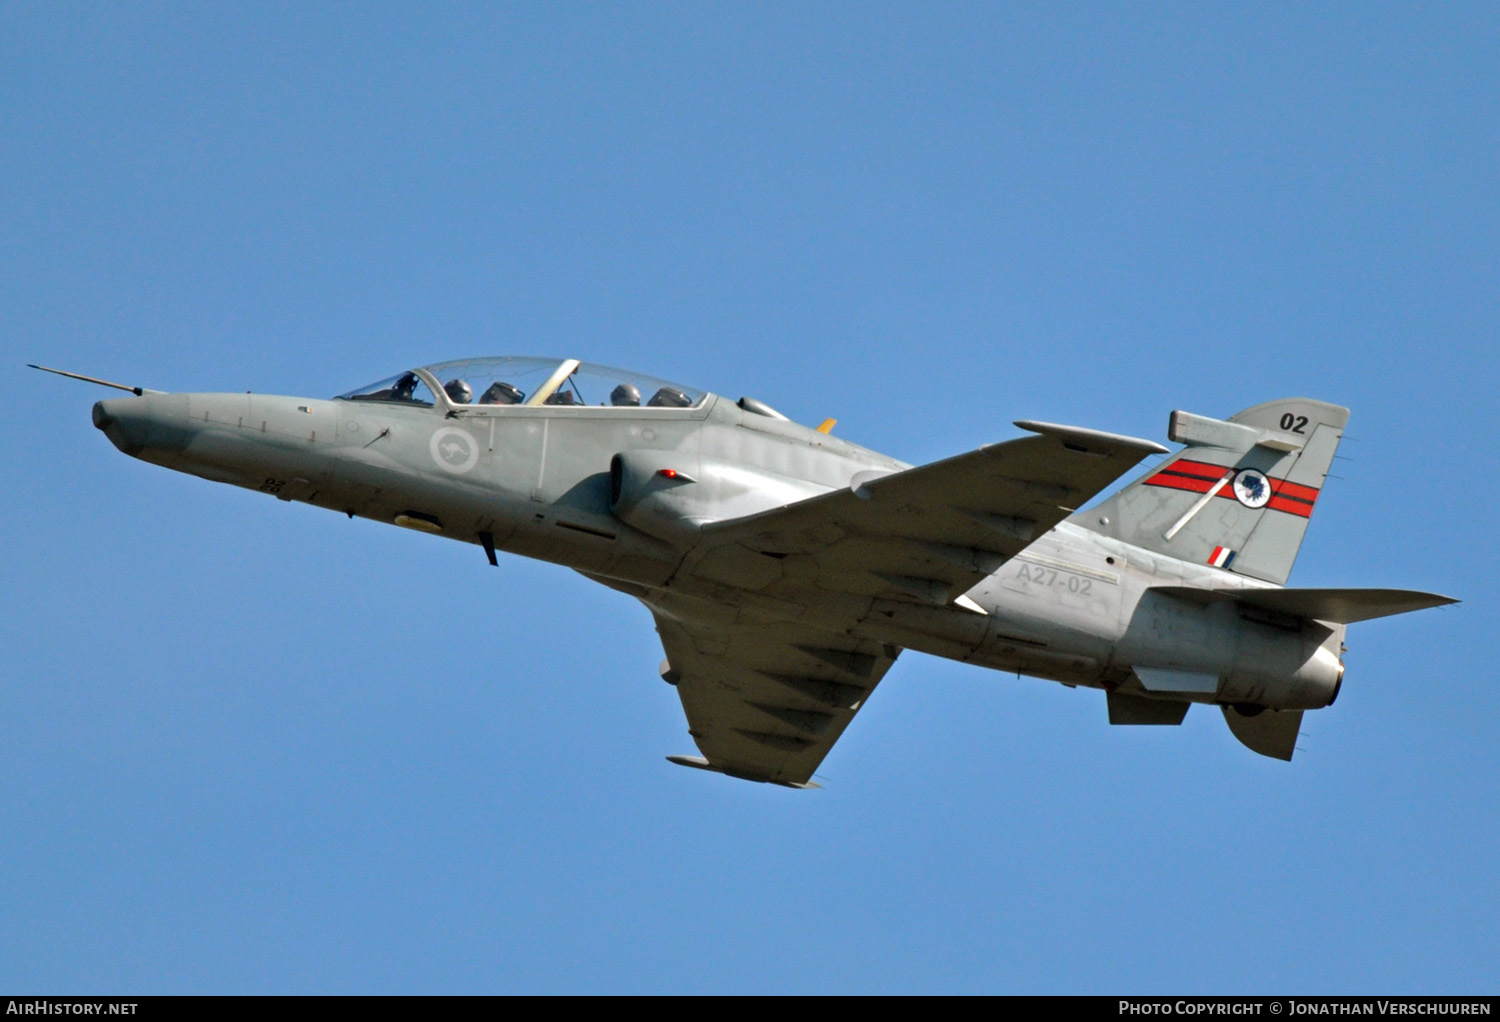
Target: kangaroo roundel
pixel 454 450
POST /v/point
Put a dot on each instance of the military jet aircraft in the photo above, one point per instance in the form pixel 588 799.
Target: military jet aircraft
pixel 787 568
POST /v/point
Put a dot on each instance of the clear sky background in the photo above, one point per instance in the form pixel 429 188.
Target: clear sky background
pixel 247 746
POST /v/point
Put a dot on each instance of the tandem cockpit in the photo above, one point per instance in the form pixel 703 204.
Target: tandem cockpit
pixel 483 385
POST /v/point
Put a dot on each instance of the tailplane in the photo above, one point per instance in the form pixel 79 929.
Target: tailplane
pixel 1338 606
pixel 1239 494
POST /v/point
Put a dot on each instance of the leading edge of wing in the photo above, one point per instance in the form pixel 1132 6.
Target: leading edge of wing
pixel 1092 439
pixel 1040 479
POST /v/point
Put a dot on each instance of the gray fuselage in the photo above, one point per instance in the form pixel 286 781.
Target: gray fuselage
pixel 583 487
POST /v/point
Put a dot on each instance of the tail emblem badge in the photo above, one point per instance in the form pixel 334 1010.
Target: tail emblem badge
pixel 1252 488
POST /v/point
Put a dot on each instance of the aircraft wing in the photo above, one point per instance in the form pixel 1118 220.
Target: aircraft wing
pixel 766 701
pixel 928 533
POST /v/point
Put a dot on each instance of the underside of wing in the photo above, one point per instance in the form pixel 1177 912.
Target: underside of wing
pixel 928 533
pixel 766 701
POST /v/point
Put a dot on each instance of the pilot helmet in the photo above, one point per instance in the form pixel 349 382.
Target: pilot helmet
pixel 627 394
pixel 459 391
pixel 501 393
pixel 670 397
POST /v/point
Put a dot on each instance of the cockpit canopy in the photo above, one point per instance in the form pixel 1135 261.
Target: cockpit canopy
pixel 521 380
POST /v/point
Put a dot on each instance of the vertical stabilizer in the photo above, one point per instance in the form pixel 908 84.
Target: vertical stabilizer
pixel 1238 496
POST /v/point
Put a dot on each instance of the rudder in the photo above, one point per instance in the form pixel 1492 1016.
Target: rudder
pixel 1240 493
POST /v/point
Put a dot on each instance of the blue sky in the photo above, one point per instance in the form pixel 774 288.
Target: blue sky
pixel 248 746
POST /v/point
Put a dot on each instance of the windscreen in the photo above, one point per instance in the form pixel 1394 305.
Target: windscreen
pixel 404 388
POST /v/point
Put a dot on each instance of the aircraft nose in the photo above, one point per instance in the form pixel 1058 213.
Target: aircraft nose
pixel 137 424
pixel 121 420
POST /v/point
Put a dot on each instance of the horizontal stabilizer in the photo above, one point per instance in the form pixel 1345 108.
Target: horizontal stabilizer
pixel 1269 732
pixel 1339 606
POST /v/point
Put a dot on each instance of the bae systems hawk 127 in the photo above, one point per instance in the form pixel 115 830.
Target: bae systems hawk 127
pixel 787 568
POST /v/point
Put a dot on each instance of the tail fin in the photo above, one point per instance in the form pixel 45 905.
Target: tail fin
pixel 1238 496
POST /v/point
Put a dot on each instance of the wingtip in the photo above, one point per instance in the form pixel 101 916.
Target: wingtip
pixel 700 763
